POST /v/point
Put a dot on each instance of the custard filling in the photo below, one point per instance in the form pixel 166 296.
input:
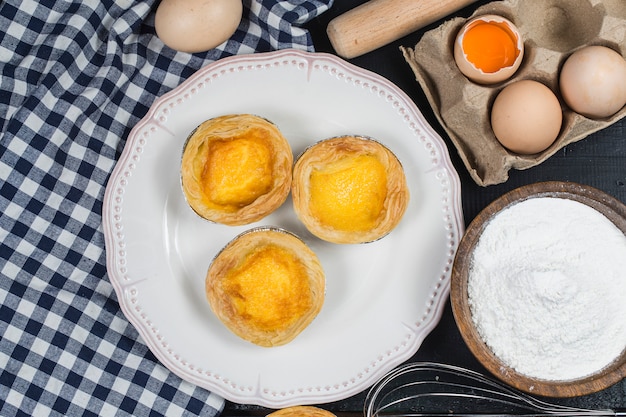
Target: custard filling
pixel 349 194
pixel 269 289
pixel 237 171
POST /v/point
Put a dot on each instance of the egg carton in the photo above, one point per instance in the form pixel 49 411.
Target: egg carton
pixel 552 30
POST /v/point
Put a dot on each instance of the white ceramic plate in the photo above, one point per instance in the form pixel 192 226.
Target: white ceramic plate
pixel 382 298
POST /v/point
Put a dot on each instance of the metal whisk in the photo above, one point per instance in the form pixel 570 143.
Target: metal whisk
pixel 434 389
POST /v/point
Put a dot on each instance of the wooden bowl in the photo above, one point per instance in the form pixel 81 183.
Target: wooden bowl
pixel 612 208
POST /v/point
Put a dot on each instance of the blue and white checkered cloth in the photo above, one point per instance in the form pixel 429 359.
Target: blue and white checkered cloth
pixel 75 76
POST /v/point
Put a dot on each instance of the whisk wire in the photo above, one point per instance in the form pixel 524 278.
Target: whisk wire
pixel 501 398
pixel 430 381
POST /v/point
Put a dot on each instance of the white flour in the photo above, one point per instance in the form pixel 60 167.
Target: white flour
pixel 547 288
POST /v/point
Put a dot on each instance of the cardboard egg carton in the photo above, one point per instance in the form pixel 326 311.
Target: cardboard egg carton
pixel 552 30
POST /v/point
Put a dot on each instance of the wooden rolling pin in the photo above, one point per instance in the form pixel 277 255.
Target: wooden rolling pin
pixel 380 22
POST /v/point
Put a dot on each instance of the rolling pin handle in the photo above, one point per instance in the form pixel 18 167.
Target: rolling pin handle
pixel 379 22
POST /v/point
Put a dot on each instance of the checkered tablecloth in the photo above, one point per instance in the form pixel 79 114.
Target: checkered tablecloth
pixel 75 76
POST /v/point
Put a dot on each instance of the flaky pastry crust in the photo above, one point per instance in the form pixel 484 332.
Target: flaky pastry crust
pixel 328 154
pixel 236 169
pixel 301 411
pixel 266 286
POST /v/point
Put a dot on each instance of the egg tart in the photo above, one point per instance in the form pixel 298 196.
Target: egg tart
pixel 301 411
pixel 266 286
pixel 349 189
pixel 236 169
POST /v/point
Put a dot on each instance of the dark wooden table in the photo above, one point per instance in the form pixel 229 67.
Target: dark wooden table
pixel 598 161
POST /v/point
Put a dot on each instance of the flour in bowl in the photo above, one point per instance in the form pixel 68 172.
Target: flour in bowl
pixel 547 288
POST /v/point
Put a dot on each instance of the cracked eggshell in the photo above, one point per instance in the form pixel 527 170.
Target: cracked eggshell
pixel 469 69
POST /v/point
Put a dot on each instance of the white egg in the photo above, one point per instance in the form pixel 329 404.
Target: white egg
pixel 593 81
pixel 197 25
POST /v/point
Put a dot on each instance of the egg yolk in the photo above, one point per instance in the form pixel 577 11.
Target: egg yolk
pixel 490 46
pixel 350 193
pixel 269 288
pixel 237 171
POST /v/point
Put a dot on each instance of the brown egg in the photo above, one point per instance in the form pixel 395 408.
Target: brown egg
pixel 197 25
pixel 593 81
pixel 526 117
